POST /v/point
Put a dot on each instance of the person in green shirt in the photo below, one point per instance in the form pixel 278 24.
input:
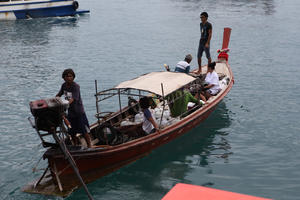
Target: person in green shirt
pixel 179 100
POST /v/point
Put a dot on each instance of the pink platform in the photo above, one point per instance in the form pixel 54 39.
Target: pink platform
pixel 192 192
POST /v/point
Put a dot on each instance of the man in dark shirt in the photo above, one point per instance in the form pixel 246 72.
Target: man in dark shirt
pixel 204 43
pixel 76 114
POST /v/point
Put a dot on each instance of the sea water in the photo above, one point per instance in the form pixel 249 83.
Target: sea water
pixel 249 144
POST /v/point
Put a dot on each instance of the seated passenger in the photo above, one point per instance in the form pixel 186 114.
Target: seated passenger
pixel 184 66
pixel 179 101
pixel 153 101
pixel 149 124
pixel 212 87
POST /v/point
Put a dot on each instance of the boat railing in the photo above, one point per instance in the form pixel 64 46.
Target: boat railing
pixel 120 126
pixel 115 118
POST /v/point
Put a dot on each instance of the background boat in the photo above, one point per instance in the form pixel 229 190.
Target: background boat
pixel 25 9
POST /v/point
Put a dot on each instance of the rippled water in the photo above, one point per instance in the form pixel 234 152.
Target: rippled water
pixel 250 144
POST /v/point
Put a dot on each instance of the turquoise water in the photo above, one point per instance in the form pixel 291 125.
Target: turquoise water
pixel 250 144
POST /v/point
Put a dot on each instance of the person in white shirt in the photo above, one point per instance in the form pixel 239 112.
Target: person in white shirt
pixel 212 79
pixel 149 123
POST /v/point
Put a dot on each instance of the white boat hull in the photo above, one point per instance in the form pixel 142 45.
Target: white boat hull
pixel 12 10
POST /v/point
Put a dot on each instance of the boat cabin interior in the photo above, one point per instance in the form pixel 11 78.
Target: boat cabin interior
pixel 125 124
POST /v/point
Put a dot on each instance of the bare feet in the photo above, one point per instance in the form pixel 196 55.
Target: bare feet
pixel 199 71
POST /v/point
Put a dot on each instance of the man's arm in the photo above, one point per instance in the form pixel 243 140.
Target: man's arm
pixel 60 92
pixel 209 86
pixel 191 98
pixel 209 37
pixel 75 94
pixel 149 117
pixel 153 123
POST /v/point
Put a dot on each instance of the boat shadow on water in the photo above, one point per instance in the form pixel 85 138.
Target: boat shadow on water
pixel 171 163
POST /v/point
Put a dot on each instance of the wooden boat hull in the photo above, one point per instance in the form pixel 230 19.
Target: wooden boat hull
pixel 94 163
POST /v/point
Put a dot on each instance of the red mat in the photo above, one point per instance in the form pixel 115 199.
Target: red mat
pixel 192 192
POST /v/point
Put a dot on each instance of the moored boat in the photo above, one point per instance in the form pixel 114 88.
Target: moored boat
pixel 25 9
pixel 117 134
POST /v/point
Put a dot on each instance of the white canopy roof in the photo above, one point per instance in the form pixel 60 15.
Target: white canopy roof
pixel 152 82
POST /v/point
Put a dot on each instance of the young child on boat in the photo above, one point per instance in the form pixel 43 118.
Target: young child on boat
pixel 76 114
pixel 149 124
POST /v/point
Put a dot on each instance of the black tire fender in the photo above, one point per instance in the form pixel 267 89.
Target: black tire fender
pixel 115 135
pixel 75 5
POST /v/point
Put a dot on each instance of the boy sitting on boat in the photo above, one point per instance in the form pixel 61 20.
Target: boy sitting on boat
pixel 149 124
pixel 182 66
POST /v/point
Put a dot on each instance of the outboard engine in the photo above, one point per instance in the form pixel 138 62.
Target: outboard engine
pixel 48 113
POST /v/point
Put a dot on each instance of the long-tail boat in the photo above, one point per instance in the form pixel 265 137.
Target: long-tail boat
pixel 117 135
pixel 27 9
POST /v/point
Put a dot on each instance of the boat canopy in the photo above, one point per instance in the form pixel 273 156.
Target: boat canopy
pixel 151 82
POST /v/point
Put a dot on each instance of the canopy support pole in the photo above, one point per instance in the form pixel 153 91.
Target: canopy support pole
pixel 163 96
pixel 97 105
pixel 120 100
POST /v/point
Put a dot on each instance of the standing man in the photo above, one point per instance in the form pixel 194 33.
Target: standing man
pixel 204 43
pixel 76 114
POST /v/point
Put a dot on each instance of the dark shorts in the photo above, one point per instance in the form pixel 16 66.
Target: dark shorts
pixel 202 48
pixel 79 124
pixel 177 69
pixel 213 93
pixel 152 131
